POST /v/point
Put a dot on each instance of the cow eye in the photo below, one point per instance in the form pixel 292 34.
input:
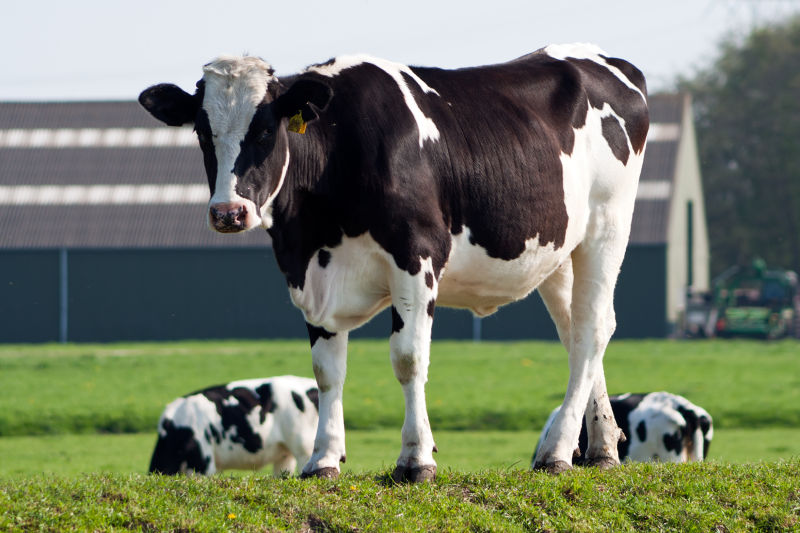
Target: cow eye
pixel 264 136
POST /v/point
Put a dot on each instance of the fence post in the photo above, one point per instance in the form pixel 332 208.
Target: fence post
pixel 63 295
pixel 476 329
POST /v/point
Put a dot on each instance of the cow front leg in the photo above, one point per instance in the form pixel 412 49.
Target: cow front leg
pixel 329 358
pixel 413 302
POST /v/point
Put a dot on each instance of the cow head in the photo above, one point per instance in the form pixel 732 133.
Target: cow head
pixel 240 112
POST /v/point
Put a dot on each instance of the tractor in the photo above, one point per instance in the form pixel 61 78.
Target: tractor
pixel 756 302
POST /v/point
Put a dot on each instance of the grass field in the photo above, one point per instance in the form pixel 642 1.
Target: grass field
pixel 367 451
pixel 643 497
pixel 78 421
pixel 51 389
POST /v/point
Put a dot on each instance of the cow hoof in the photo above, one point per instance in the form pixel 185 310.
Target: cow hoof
pixel 603 463
pixel 414 474
pixel 556 467
pixel 327 472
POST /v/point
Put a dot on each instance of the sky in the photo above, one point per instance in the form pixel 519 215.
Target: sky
pixel 113 49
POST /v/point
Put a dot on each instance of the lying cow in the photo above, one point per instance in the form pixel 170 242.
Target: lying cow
pixel 659 426
pixel 242 425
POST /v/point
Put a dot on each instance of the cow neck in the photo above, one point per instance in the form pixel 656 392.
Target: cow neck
pixel 299 225
pixel 306 160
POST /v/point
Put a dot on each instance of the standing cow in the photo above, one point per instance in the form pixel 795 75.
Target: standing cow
pixel 387 185
pixel 243 425
pixel 658 426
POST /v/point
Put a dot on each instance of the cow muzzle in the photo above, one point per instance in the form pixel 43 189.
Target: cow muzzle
pixel 231 217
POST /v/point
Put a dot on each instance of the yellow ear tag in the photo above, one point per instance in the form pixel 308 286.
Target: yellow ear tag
pixel 296 123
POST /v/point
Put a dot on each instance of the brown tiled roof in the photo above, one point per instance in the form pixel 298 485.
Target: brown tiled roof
pixel 35 153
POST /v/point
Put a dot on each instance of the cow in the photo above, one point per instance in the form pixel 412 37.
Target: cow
pixel 658 426
pixel 383 185
pixel 242 425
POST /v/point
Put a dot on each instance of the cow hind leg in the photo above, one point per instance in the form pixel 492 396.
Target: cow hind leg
pixel 413 301
pixel 601 427
pixel 595 268
pixel 329 358
pixel 556 293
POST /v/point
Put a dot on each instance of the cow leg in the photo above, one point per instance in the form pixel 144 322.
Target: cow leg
pixel 556 293
pixel 601 427
pixel 413 302
pixel 284 465
pixel 329 358
pixel 595 269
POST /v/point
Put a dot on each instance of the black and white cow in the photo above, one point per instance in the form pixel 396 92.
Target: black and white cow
pixel 659 426
pixel 415 187
pixel 245 425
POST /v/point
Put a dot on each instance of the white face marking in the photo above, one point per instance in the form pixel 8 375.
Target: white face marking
pixel 234 87
pixel 427 129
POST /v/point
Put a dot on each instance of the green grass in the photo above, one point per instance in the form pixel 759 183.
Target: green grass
pixel 642 497
pixel 367 451
pixel 77 427
pixel 50 389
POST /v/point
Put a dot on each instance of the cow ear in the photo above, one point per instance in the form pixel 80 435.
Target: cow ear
pixel 304 97
pixel 170 104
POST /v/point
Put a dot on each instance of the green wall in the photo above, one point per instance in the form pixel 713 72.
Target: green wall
pixel 639 300
pixel 158 294
pixel 29 296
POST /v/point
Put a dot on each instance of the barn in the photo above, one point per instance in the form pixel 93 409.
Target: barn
pixel 103 238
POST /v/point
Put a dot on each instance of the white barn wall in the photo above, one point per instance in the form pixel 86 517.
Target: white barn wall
pixel 687 186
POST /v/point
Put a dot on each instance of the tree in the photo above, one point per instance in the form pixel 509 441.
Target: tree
pixel 747 110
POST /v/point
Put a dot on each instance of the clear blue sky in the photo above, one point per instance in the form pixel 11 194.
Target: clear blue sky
pixel 112 49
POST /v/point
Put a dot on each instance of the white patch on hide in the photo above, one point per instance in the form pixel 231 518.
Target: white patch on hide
pixel 591 52
pixel 427 129
pixel 475 281
pixel 351 289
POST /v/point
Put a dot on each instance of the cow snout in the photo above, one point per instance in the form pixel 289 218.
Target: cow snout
pixel 228 217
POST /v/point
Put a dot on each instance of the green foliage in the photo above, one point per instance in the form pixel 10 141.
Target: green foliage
pixel 51 389
pixel 747 115
pixel 644 497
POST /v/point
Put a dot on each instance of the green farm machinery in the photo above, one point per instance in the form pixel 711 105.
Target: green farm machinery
pixel 754 301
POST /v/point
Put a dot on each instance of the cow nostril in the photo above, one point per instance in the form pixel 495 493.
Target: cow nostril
pixel 227 215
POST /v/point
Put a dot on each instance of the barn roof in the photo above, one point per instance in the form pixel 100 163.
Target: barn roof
pixel 107 175
pixel 101 175
pixel 651 214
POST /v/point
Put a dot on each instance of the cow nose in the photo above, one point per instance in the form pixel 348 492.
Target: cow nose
pixel 228 218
